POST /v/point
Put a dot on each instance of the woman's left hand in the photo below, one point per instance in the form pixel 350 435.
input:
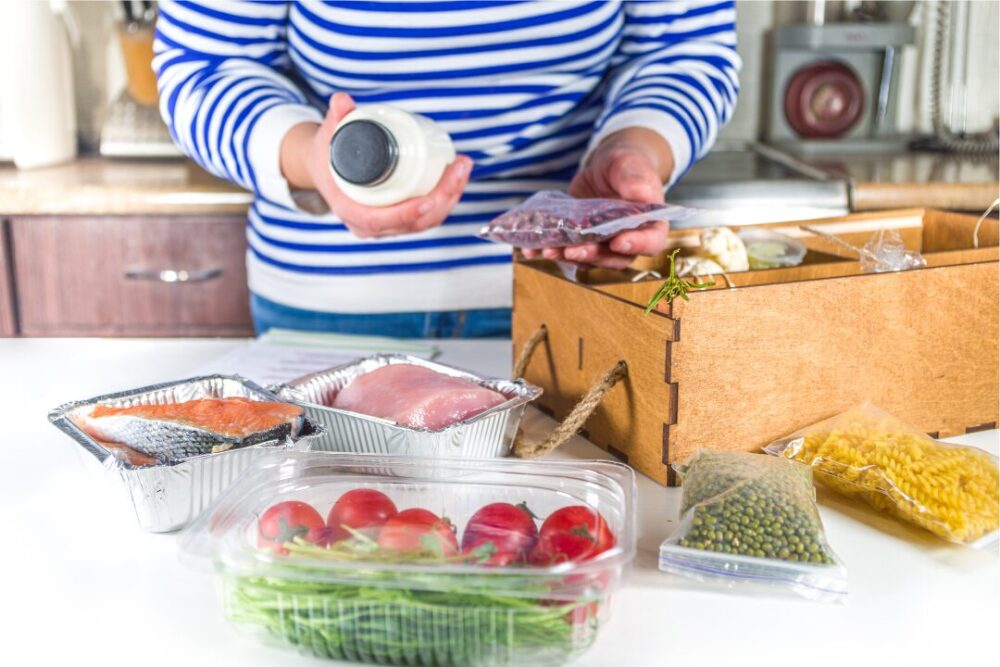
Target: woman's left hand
pixel 631 164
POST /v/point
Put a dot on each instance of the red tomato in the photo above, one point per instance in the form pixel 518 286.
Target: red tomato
pixel 283 522
pixel 364 510
pixel 583 614
pixel 570 534
pixel 499 534
pixel 416 530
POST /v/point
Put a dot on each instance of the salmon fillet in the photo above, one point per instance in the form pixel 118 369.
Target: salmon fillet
pixel 234 417
pixel 174 431
pixel 416 396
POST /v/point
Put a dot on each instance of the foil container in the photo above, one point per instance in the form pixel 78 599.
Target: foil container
pixel 167 497
pixel 489 434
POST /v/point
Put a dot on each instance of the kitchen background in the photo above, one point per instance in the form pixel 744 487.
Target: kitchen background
pixel 835 97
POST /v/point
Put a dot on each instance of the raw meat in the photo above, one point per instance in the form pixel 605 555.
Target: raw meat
pixel 415 396
pixel 173 431
pixel 554 219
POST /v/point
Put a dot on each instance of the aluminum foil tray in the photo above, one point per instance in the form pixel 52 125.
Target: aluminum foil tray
pixel 168 496
pixel 489 434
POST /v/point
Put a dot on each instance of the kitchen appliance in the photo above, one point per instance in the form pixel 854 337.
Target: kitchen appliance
pixel 133 130
pixel 39 108
pixel 834 87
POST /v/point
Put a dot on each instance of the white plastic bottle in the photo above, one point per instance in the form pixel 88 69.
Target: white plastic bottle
pixel 381 155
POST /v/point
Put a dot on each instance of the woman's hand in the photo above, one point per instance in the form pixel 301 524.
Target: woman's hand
pixel 630 164
pixel 305 163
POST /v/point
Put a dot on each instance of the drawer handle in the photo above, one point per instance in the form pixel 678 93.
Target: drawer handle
pixel 174 275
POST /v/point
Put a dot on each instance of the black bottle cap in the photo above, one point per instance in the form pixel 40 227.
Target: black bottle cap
pixel 363 152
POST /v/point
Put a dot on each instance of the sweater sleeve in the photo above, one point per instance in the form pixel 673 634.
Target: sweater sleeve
pixel 675 72
pixel 222 92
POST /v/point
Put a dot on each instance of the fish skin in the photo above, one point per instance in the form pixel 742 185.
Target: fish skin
pixel 170 441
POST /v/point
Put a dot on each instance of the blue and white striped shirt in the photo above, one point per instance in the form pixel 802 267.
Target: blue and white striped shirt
pixel 523 88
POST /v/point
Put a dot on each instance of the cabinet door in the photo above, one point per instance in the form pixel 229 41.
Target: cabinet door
pixel 8 320
pixel 141 276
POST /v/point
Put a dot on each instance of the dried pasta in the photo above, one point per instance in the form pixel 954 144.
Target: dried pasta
pixel 950 490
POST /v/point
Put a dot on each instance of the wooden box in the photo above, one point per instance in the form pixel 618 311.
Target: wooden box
pixel 768 352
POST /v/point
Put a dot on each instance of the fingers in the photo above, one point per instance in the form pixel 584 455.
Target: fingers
pixel 647 240
pixel 616 254
pixel 581 253
pixel 597 254
pixel 410 216
pixel 446 194
pixel 633 177
pixel 371 221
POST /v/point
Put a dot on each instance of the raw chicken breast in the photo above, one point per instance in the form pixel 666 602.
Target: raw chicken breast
pixel 415 396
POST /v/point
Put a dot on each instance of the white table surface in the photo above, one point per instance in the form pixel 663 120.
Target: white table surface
pixel 82 584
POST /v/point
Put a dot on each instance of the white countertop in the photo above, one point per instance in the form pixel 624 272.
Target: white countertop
pixel 81 581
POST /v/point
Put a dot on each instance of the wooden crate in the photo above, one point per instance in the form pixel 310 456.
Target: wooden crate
pixel 742 364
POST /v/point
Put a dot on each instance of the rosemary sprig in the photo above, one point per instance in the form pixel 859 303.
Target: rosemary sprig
pixel 674 286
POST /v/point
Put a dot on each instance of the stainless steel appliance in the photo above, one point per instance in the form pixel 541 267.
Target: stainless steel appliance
pixel 834 87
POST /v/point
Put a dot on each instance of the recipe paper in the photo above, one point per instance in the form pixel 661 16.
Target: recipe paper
pixel 281 355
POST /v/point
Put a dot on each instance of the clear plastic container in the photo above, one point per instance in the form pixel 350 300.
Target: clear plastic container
pixel 384 596
pixel 771 250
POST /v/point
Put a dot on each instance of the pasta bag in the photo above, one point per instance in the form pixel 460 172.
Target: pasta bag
pixel 952 491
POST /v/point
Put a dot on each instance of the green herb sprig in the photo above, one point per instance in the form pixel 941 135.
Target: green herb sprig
pixel 674 286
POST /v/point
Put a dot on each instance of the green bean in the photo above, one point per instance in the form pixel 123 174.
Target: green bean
pixel 454 625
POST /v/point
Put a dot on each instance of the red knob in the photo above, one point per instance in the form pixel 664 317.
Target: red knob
pixel 824 100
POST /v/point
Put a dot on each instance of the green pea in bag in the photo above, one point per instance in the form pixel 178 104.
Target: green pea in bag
pixel 751 518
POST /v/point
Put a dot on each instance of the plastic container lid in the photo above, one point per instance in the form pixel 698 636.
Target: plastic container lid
pixel 768 249
pixel 226 534
pixel 364 152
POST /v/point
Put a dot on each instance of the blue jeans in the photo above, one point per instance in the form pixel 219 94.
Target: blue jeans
pixel 482 323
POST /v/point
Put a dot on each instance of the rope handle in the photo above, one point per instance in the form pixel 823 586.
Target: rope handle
pixel 528 350
pixel 979 223
pixel 580 413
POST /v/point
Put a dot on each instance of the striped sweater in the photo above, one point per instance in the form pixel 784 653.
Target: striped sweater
pixel 525 89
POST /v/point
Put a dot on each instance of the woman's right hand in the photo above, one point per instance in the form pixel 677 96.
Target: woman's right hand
pixel 305 163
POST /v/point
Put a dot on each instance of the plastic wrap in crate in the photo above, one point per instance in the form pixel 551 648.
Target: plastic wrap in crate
pixel 168 496
pixel 489 434
pixel 356 603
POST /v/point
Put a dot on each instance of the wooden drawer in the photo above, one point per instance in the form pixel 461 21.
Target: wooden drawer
pixel 124 276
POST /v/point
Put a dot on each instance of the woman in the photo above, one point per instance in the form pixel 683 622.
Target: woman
pixel 608 99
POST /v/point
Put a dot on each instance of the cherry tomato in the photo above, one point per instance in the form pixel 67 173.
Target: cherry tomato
pixel 571 534
pixel 364 510
pixel 283 522
pixel 500 534
pixel 418 530
pixel 583 614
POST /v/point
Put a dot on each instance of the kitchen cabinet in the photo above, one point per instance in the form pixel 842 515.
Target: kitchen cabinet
pixel 8 318
pixel 130 275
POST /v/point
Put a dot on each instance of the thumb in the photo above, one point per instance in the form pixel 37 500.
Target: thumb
pixel 635 180
pixel 341 104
